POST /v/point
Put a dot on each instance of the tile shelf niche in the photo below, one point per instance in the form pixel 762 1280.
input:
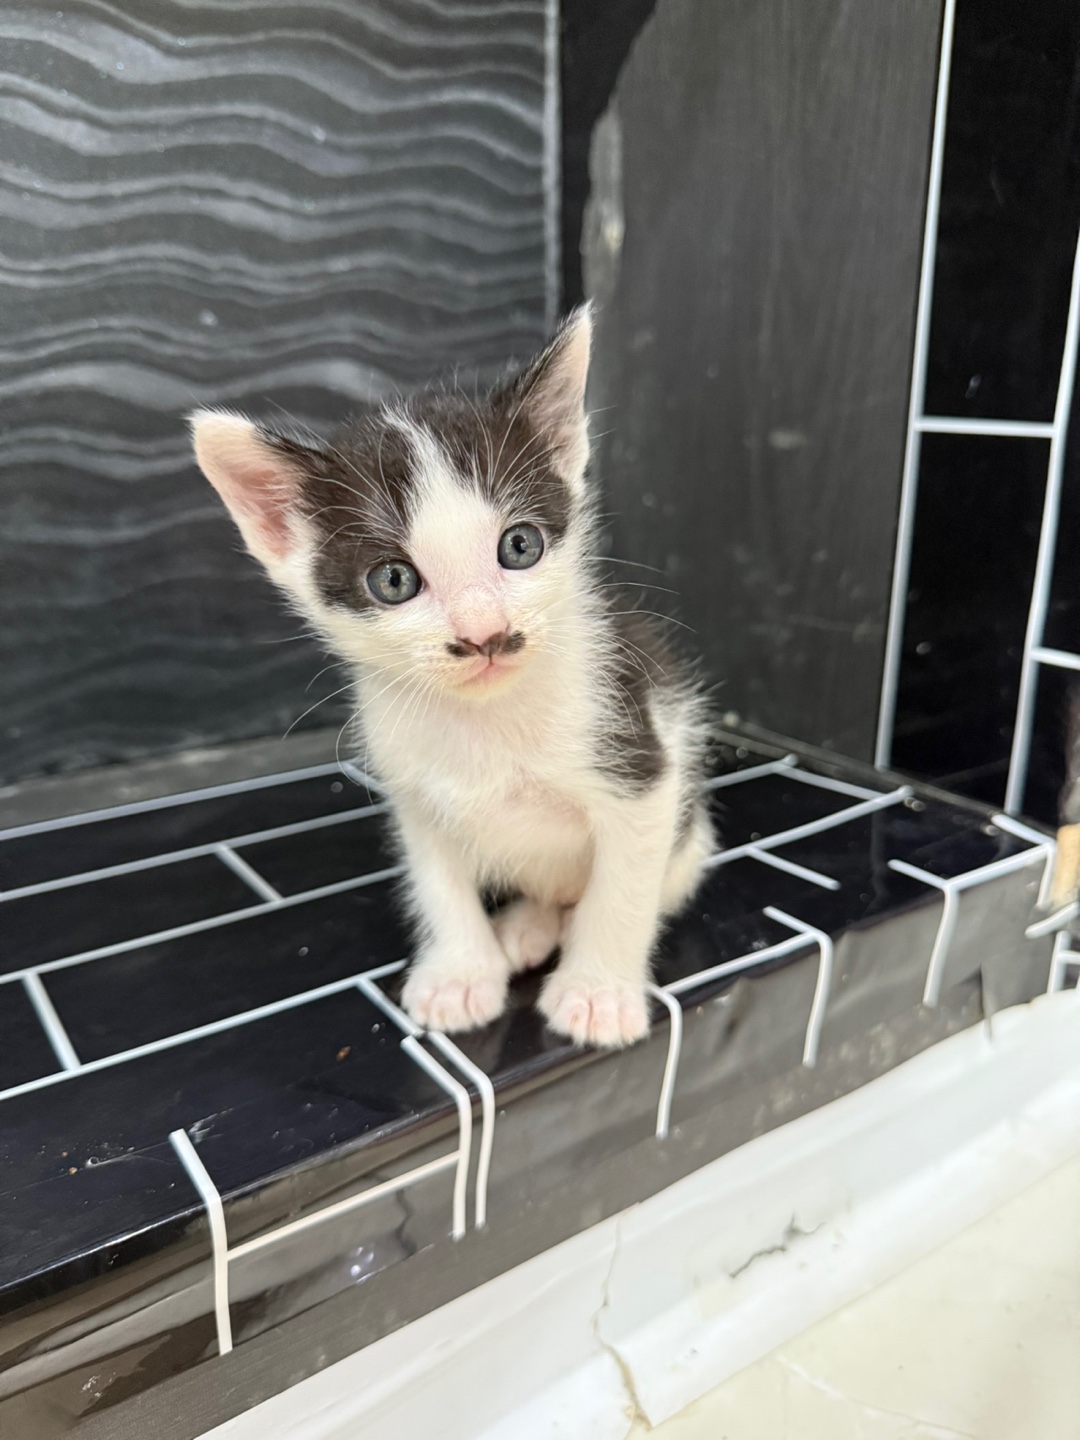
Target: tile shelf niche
pixel 218 1128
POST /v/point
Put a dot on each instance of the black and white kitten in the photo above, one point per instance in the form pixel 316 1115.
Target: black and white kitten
pixel 536 740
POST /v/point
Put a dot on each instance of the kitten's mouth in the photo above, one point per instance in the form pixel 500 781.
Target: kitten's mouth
pixel 487 670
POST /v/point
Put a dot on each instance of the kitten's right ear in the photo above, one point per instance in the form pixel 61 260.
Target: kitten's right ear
pixel 257 479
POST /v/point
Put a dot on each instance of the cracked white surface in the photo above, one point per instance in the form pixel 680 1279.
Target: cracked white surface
pixel 977 1341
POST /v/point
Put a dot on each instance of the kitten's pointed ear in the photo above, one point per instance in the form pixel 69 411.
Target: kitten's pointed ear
pixel 553 391
pixel 255 476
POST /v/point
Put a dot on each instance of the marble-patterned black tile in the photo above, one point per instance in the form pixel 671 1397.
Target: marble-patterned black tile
pixel 139 996
pixel 281 1088
pixel 944 840
pixel 25 1051
pixel 78 918
pixel 117 840
pixel 296 863
pixel 91 1218
pixel 972 568
pixel 768 804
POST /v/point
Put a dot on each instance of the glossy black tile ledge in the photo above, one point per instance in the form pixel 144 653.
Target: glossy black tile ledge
pixel 220 1135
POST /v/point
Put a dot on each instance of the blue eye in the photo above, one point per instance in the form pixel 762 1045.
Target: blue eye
pixel 393 582
pixel 520 547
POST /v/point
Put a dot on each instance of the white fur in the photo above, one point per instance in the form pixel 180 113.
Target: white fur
pixel 496 784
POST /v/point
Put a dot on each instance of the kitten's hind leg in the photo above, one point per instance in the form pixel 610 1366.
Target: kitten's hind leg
pixel 529 931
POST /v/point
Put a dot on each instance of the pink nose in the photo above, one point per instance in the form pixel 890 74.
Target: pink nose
pixel 501 643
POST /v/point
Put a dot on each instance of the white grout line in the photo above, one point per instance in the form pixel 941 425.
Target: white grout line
pixel 361 777
pixel 195 927
pixel 487 1109
pixel 820 1002
pixel 483 1084
pixel 552 165
pixel 812 827
pixel 731 967
pixel 802 871
pixel 752 772
pixel 342 1207
pixel 191 852
pixel 950 907
pixel 671 1064
pixel 842 787
pixel 184 1037
pixel 247 873
pixel 955 425
pixel 1062 659
pixel 1063 957
pixel 460 1096
pixel 162 802
pixel 952 887
pixel 910 481
pixel 1053 923
pixel 51 1022
pixel 1044 565
pixel 219 1240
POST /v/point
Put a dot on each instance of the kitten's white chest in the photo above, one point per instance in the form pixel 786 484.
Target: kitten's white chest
pixel 511 798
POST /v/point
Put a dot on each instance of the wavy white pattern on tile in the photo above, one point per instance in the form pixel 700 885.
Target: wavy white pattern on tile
pixel 277 205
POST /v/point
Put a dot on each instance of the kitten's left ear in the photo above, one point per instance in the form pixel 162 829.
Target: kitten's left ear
pixel 551 393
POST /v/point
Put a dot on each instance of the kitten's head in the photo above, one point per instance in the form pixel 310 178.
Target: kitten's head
pixel 441 538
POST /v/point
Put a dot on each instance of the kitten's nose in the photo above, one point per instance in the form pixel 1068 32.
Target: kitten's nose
pixel 501 643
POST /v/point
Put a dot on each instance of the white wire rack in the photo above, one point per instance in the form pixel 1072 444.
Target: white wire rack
pixel 919 424
pixel 436 1054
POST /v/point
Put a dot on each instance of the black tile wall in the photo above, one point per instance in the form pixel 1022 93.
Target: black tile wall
pixel 972 565
pixel 1010 207
pixel 25 1052
pixel 288 207
pixel 322 857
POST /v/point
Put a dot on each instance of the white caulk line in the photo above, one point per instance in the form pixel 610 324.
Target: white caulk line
pixel 671 1064
pixel 219 1241
pixel 812 1042
pixel 454 1088
pixel 247 873
pixel 51 1023
pixel 812 827
pixel 466 1066
pixel 779 862
pixel 162 802
pixel 342 1207
pixel 753 772
pixel 732 967
pixel 195 927
pixel 191 852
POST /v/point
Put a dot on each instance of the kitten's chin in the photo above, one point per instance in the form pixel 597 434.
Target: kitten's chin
pixel 483 679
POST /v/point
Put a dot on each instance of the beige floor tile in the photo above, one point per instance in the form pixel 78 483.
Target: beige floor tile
pixel 978 1341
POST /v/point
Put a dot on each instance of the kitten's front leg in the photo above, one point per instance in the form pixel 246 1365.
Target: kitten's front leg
pixel 459 977
pixel 597 995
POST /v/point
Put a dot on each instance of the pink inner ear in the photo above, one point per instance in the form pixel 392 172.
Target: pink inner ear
pixel 258 485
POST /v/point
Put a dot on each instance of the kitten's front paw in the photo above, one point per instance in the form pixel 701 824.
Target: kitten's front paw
pixel 442 995
pixel 608 1015
pixel 528 931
